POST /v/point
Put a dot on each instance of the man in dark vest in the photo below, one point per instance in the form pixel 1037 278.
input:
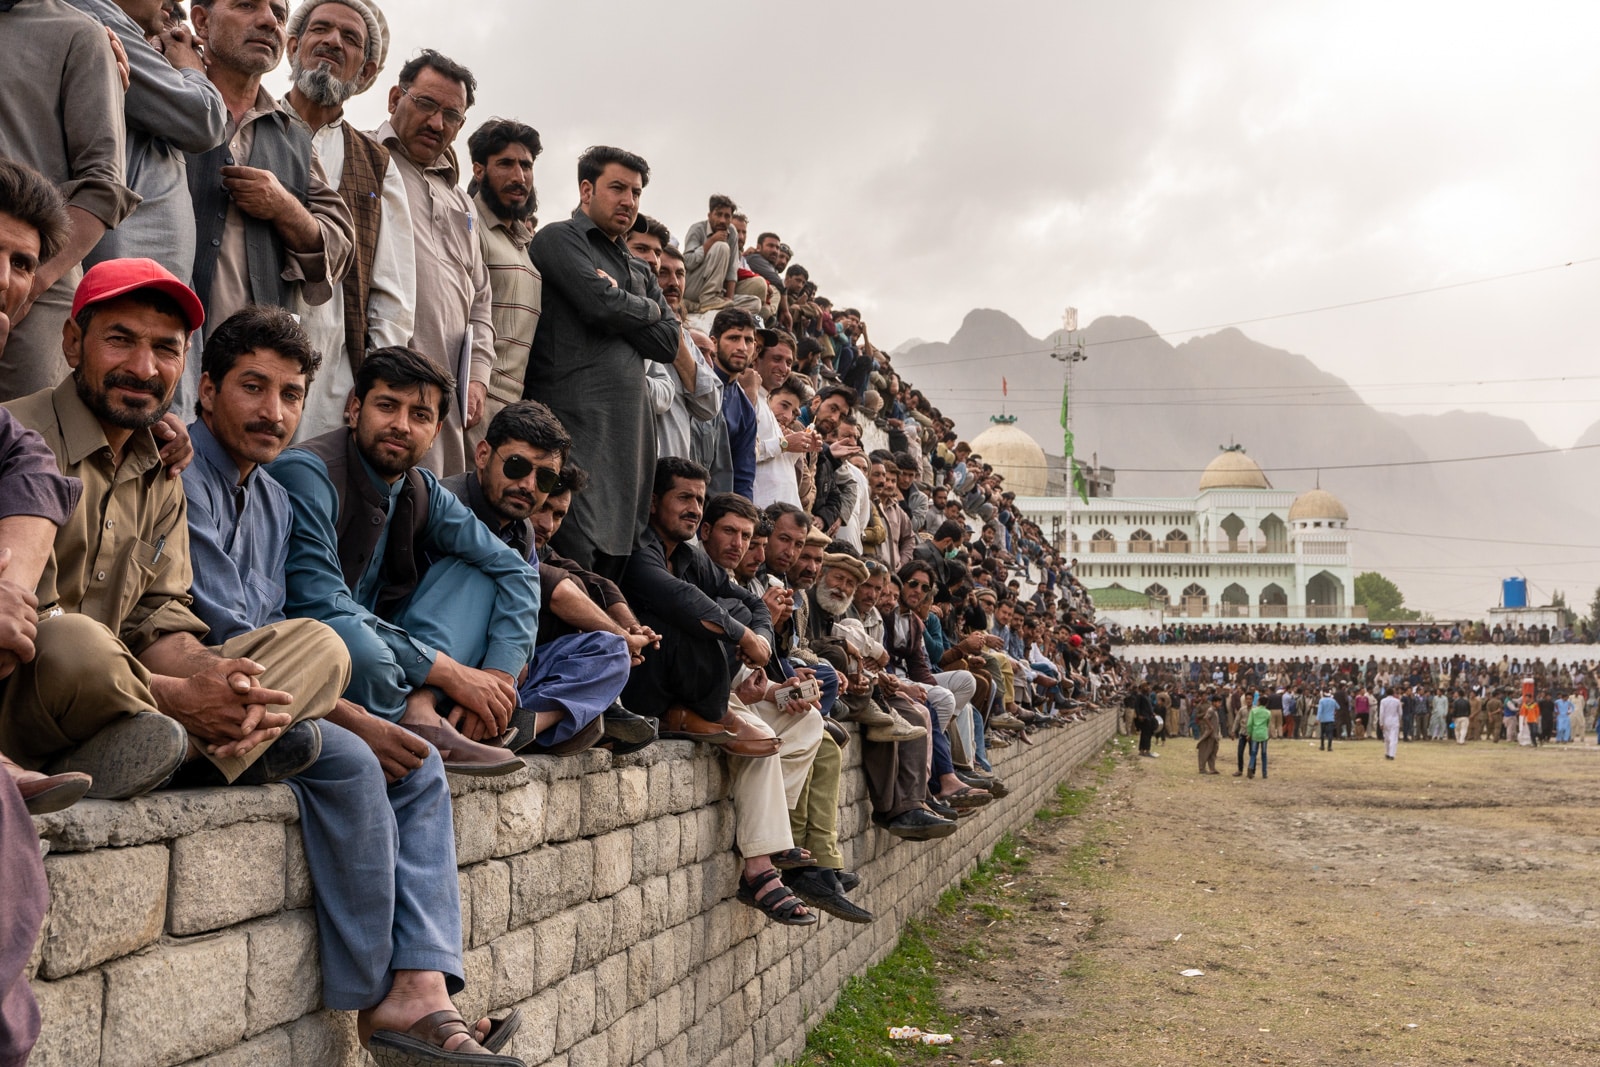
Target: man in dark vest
pixel 439 652
pixel 337 50
pixel 268 227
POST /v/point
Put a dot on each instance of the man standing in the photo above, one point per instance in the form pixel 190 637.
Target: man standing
pixel 375 805
pixel 268 227
pixel 1210 732
pixel 147 695
pixel 1327 715
pixel 437 651
pixel 684 395
pixel 337 49
pixel 454 323
pixel 734 334
pixel 603 317
pixel 503 153
pixel 63 118
pixel 1389 713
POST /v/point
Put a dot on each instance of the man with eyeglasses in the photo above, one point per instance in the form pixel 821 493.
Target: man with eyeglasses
pixel 454 323
pixel 575 679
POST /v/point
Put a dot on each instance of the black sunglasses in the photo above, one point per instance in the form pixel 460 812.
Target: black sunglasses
pixel 517 468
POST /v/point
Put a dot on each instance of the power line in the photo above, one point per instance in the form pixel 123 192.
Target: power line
pixel 1477 540
pixel 1346 467
pixel 1159 334
pixel 1308 387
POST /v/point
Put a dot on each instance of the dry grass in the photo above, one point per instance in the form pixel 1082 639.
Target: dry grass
pixel 1440 909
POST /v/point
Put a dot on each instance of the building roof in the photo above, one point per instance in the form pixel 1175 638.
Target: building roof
pixel 1118 598
pixel 1233 470
pixel 1317 504
pixel 1013 453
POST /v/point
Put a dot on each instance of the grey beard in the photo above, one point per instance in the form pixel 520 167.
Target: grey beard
pixel 831 602
pixel 321 86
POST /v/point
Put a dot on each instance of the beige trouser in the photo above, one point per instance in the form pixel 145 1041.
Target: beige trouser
pixel 448 456
pixel 763 790
pixel 1580 727
pixel 758 289
pixel 83 678
pixel 814 817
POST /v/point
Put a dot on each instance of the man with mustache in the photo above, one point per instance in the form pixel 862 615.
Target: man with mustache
pixel 684 394
pixel 269 229
pixel 116 593
pixel 435 648
pixel 503 153
pixel 376 799
pixel 455 321
pixel 337 49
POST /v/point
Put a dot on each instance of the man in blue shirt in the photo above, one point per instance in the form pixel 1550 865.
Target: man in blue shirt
pixel 1327 715
pixel 734 334
pixel 375 805
pixel 438 652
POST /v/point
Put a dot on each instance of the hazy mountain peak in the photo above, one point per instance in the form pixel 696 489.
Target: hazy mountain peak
pixel 986 331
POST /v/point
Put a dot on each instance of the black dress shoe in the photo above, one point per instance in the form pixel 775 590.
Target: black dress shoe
pixel 835 729
pixel 295 749
pixel 848 880
pixel 919 824
pixel 819 887
pixel 626 732
pixel 940 808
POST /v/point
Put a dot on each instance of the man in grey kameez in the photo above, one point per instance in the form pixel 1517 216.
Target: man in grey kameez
pixel 603 317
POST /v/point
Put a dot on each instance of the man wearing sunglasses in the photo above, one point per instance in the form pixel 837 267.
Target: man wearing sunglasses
pixel 454 323
pixel 568 700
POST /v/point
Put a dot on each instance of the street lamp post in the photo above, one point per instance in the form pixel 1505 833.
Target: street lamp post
pixel 1069 350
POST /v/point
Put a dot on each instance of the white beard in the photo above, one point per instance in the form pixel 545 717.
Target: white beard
pixel 831 602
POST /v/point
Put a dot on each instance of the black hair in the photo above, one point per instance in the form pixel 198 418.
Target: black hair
pixel 796 385
pixel 722 200
pixel 729 504
pixel 251 328
pixel 795 268
pixel 657 229
pixel 574 480
pixel 950 530
pixel 670 468
pixel 779 508
pixel 732 319
pixel 914 566
pixel 763 528
pixel 844 391
pixel 594 160
pixel 446 66
pixel 33 200
pixel 402 368
pixel 531 423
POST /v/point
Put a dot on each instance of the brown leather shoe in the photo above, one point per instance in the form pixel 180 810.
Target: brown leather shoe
pixel 752 739
pixel 684 725
pixel 462 755
pixel 585 738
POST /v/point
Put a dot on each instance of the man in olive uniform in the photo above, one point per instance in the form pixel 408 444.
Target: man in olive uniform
pixel 1210 732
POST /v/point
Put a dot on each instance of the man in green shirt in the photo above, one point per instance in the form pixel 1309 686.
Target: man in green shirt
pixel 1257 727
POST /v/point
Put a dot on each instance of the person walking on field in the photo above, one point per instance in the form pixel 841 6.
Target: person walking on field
pixel 1389 712
pixel 1210 733
pixel 1528 734
pixel 1327 716
pixel 1259 727
pixel 1461 709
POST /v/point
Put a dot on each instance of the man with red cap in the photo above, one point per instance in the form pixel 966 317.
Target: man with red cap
pixel 120 685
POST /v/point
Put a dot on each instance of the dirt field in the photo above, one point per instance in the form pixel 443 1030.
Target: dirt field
pixel 1440 909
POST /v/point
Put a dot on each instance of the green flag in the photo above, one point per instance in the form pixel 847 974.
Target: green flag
pixel 1080 484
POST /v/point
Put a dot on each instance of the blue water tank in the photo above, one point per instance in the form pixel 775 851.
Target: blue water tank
pixel 1514 593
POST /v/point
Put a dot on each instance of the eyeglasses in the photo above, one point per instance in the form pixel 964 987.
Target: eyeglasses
pixel 517 467
pixel 918 585
pixel 430 107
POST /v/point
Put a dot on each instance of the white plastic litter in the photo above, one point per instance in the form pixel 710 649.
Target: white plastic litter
pixel 1193 972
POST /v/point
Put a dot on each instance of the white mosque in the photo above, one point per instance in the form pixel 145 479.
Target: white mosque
pixel 1237 550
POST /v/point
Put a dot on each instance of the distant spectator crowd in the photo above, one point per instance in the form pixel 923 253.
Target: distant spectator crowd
pixel 1399 634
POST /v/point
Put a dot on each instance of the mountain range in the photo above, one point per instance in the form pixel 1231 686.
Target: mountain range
pixel 1157 413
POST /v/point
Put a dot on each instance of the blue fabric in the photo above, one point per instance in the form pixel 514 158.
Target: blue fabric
pixel 238 555
pixel 1260 746
pixel 503 610
pixel 383 867
pixel 980 744
pixel 740 414
pixel 580 674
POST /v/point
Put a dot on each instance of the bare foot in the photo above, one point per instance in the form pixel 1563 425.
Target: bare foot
pixel 414 995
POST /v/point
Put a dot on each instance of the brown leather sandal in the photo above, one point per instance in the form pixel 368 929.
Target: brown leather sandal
pixel 423 1045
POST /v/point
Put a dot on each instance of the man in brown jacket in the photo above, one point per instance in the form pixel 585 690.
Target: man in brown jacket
pixel 1210 731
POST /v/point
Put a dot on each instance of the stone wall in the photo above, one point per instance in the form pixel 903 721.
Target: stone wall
pixel 596 893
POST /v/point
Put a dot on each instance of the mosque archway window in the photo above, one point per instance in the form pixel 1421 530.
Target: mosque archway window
pixel 1177 542
pixel 1275 534
pixel 1103 541
pixel 1141 541
pixel 1195 599
pixel 1235 601
pixel 1232 527
pixel 1159 594
pixel 1274 602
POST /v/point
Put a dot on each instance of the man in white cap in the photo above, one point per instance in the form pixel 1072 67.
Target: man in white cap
pixel 336 50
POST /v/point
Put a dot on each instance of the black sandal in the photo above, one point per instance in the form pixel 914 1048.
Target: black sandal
pixel 778 903
pixel 790 858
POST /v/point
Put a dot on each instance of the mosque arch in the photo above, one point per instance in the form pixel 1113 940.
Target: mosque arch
pixel 1141 541
pixel 1103 541
pixel 1324 595
pixel 1195 599
pixel 1275 532
pixel 1235 601
pixel 1158 592
pixel 1177 541
pixel 1274 602
pixel 1232 526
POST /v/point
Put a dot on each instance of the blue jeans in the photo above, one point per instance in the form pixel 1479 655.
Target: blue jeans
pixel 1260 746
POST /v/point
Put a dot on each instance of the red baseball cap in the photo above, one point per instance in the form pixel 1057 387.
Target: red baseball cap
pixel 114 277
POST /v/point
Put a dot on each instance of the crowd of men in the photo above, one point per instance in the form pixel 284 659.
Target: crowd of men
pixel 1400 635
pixel 317 468
pixel 1455 698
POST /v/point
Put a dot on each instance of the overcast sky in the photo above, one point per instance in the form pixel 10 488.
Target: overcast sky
pixel 1184 163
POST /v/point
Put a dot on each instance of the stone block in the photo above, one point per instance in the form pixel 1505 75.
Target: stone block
pixel 687 902
pixel 271 1049
pixel 477 822
pixel 610 990
pixel 688 839
pixel 683 786
pixel 592 933
pixel 297 890
pixel 285 980
pixel 613 861
pixel 103 904
pixel 217 877
pixel 521 824
pixel 621 1038
pixel 577 872
pixel 592 1052
pixel 633 794
pixel 654 906
pixel 464 894
pixel 491 901
pixel 535 1042
pixel 70 1014
pixel 553 955
pixel 575 1018
pixel 671 1018
pixel 601 809
pixel 207 976
pixel 163 816
pixel 626 920
pixel 646 849
pixel 535 885
pixel 515 957
pixel 669 845
pixel 641 972
pixel 477 967
pixel 328 1039
pixel 660 790
pixel 563 810
pixel 676 1054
